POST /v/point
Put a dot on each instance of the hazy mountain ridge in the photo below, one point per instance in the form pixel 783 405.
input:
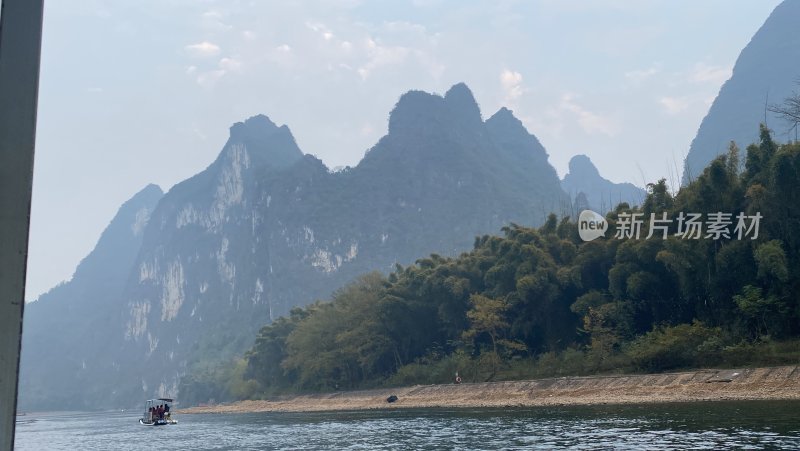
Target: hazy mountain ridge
pixel 765 73
pixel 265 228
pixel 588 189
pixel 72 318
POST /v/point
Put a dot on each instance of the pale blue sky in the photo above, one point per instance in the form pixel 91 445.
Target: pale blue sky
pixel 139 92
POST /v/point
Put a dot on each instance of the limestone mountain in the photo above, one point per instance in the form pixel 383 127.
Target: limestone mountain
pixel 589 189
pixel 766 72
pixel 265 228
pixel 66 329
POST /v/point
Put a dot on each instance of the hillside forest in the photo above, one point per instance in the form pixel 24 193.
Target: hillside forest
pixel 541 302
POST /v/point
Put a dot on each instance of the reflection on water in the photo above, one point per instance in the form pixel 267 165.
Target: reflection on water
pixel 663 426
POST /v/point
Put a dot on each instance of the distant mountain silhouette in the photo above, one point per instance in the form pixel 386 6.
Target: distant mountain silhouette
pixel 265 228
pixel 589 189
pixel 67 329
pixel 766 72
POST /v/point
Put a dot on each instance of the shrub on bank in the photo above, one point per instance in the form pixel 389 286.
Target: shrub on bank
pixel 681 346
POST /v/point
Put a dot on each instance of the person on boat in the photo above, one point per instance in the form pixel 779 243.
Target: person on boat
pixel 166 410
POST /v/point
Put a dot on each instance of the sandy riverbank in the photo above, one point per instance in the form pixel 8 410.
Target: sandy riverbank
pixel 704 385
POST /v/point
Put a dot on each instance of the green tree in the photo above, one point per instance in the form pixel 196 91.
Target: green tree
pixel 265 357
pixel 609 325
pixel 756 308
pixel 487 316
pixel 341 343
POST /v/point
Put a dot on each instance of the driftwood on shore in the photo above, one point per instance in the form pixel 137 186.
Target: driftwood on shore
pixel 774 383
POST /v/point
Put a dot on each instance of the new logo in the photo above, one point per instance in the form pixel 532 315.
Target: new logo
pixel 591 225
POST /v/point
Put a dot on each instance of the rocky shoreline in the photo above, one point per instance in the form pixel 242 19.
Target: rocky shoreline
pixel 773 383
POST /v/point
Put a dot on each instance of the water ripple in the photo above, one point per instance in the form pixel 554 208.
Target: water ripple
pixel 753 425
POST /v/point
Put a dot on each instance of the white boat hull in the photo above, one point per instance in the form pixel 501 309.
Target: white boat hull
pixel 157 422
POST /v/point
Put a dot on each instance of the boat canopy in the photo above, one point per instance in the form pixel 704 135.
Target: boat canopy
pixel 156 402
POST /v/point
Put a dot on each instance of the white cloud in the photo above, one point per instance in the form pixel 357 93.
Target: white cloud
pixel 590 122
pixel 320 28
pixel 283 55
pixel 674 105
pixel 639 75
pixel 203 49
pixel 704 73
pixel 230 64
pixel 512 85
pixel 357 49
pixel 212 21
pixel 210 78
pixel 379 56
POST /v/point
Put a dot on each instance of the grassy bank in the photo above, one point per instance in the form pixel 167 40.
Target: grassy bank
pixel 670 349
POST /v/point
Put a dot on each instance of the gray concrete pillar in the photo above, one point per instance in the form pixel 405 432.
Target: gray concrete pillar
pixel 20 48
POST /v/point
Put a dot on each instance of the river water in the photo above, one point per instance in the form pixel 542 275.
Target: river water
pixel 717 425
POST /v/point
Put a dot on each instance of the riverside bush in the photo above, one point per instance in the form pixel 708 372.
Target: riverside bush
pixel 681 346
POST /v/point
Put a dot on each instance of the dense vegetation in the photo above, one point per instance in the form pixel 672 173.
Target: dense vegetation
pixel 541 302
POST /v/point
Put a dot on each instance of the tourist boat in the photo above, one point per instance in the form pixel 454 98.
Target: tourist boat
pixel 148 418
